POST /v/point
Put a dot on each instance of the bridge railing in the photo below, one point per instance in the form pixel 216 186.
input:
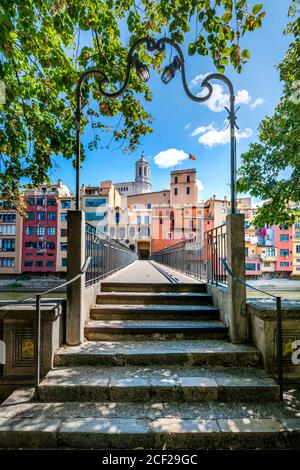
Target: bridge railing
pixel 107 255
pixel 200 258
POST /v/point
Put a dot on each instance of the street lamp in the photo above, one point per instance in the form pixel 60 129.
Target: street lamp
pixel 168 74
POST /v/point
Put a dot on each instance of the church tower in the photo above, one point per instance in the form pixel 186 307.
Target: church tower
pixel 142 176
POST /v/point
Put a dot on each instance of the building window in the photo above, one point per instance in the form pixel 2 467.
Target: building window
pixel 270 251
pixel 29 230
pixel 149 205
pixel 284 253
pixel 30 201
pixel 297 234
pixel 284 264
pixel 94 216
pixel 51 230
pixel 176 180
pixel 140 171
pixel 7 217
pixel 122 232
pixel 28 264
pixel 50 264
pixel 7 229
pixel 63 232
pixel 131 232
pixel 112 232
pixel 7 262
pixel 251 266
pixel 64 262
pixel 63 246
pixel 246 251
pixel 169 235
pixel 7 244
pixel 51 215
pixel 175 191
pixel 66 204
pixel 40 231
pixel 95 202
pixel 139 219
pixel 188 189
pixel 146 219
pixel 188 178
pixel 51 202
pixel 41 201
pixel 267 264
pixel 50 245
pixel 30 245
pixel 63 216
pixel 284 237
pixel 297 249
pixel 39 264
pixel 40 245
pixel 40 216
pixel 30 215
pixel 145 171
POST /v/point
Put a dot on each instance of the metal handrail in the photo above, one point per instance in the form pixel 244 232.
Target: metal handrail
pixel 279 341
pixel 37 372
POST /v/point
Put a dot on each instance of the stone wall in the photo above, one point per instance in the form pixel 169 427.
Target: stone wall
pixel 262 329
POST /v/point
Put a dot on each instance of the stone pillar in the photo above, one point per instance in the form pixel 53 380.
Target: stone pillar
pixel 236 291
pixel 76 290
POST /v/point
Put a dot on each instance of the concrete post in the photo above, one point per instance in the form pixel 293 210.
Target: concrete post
pixel 76 290
pixel 236 291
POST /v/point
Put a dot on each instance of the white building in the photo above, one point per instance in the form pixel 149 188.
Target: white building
pixel 142 183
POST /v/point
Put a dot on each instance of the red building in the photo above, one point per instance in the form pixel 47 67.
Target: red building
pixel 40 228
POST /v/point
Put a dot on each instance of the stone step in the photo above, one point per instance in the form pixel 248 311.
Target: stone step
pixel 153 312
pixel 25 423
pixel 158 329
pixel 122 384
pixel 152 287
pixel 184 352
pixel 146 298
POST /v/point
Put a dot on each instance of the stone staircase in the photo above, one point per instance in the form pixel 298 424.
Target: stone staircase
pixel 157 371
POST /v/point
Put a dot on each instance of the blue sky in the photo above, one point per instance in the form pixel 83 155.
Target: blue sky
pixel 176 117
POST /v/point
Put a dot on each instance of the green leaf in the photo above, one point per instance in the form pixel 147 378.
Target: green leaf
pixel 257 8
pixel 246 54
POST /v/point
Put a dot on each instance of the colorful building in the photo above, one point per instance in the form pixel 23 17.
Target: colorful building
pixel 40 226
pixel 10 239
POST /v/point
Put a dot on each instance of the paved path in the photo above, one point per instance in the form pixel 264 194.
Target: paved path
pixel 146 272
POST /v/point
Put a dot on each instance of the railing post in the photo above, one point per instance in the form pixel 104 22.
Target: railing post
pixel 76 290
pixel 279 346
pixel 236 292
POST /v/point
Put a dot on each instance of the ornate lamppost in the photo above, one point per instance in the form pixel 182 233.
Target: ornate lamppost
pixel 167 75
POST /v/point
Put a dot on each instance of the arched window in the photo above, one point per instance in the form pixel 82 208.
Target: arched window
pixel 112 232
pixel 122 232
pixel 145 171
pixel 140 171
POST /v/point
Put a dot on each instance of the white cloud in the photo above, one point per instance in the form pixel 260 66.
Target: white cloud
pixel 257 102
pixel 215 136
pixel 169 158
pixel 196 81
pixel 219 98
pixel 200 186
pixel 242 97
pixel 201 130
pixel 187 126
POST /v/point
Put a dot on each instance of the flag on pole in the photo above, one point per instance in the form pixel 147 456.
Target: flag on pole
pixel 192 157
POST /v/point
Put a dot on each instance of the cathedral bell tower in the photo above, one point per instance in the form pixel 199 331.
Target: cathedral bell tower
pixel 142 176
